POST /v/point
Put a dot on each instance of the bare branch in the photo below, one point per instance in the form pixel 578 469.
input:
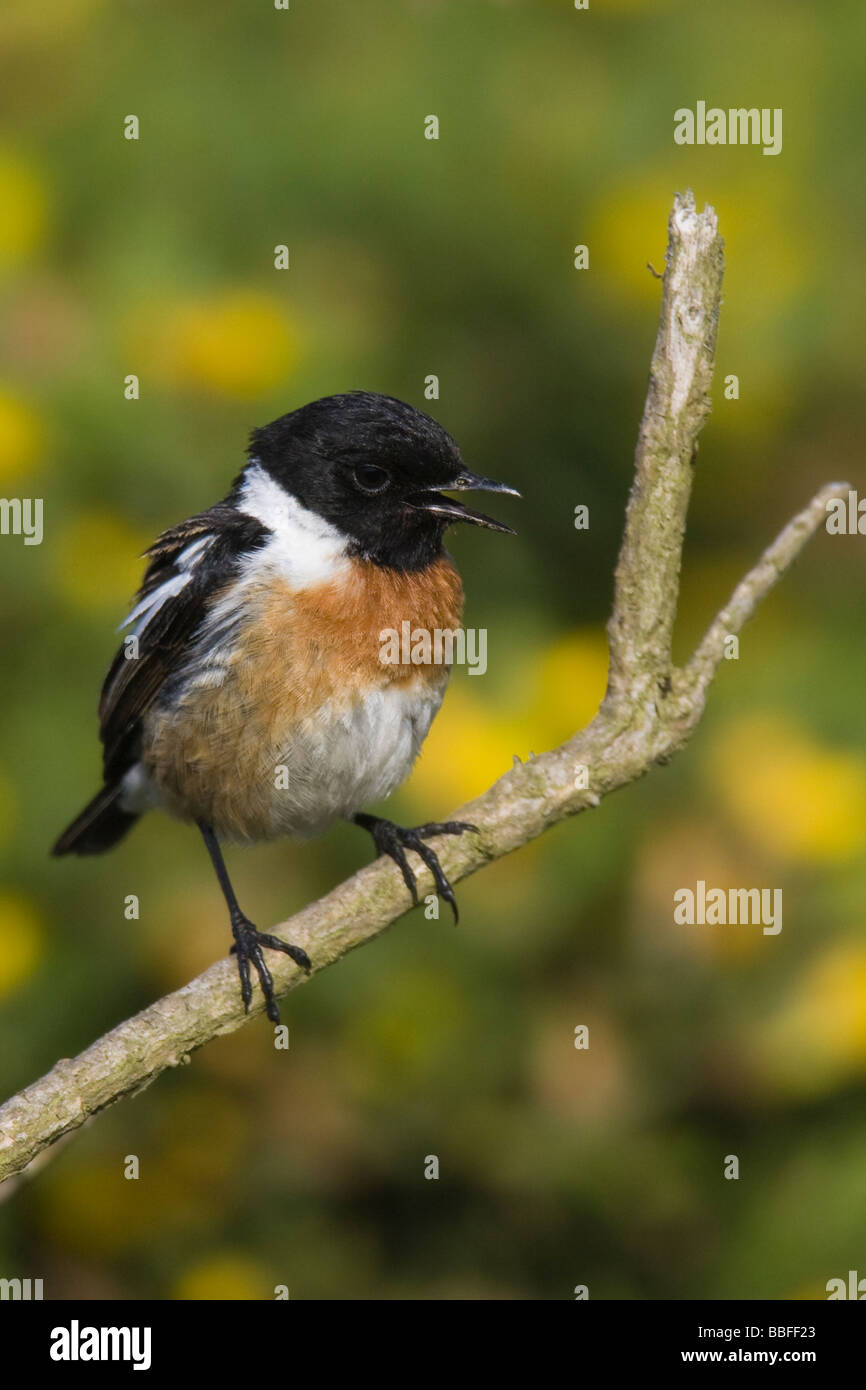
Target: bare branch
pixel 677 403
pixel 741 606
pixel 647 715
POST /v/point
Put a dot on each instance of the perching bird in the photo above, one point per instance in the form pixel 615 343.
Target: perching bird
pixel 251 696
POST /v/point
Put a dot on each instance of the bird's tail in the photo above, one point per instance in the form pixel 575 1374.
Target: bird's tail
pixel 99 826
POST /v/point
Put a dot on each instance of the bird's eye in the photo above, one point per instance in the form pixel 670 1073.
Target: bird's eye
pixel 369 477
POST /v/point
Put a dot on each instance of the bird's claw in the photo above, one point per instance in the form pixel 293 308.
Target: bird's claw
pixel 248 948
pixel 394 840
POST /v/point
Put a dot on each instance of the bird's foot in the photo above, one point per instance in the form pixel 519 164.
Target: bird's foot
pixel 248 948
pixel 394 840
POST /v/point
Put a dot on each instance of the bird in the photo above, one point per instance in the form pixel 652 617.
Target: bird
pixel 249 696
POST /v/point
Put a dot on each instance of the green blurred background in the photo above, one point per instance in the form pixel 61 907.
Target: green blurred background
pixel 411 257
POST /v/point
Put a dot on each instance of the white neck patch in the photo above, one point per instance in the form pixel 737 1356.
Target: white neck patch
pixel 304 548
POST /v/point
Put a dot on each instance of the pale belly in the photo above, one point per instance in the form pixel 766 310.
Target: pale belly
pixel 255 779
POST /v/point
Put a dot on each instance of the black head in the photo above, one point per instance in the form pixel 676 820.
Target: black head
pixel 375 468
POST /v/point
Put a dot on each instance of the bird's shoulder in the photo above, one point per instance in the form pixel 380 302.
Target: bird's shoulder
pixel 199 545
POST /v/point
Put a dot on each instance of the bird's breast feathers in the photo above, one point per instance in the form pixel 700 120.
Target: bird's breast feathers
pixel 287 712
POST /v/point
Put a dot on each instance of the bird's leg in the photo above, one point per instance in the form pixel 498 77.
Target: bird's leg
pixel 248 939
pixel 394 840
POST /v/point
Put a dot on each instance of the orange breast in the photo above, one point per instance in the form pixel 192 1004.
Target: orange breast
pixel 213 754
pixel 334 630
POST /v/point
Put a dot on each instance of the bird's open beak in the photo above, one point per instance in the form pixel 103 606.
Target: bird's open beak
pixel 452 510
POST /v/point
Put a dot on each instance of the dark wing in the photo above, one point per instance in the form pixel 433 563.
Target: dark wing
pixel 189 566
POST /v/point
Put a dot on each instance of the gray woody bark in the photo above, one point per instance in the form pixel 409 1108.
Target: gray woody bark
pixel 647 715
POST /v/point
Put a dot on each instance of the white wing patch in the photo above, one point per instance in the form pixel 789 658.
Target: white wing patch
pixel 188 557
pixel 151 603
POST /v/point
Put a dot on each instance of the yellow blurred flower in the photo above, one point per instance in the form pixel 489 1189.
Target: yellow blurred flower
pixel 793 797
pixel 627 230
pixel 818 1037
pixel 237 344
pixel 469 746
pixel 21 437
pixel 95 561
pixel 21 941
pixel 475 739
pixel 767 249
pixel 224 1276
pixel 768 252
pixel 23 210
pixel 571 680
